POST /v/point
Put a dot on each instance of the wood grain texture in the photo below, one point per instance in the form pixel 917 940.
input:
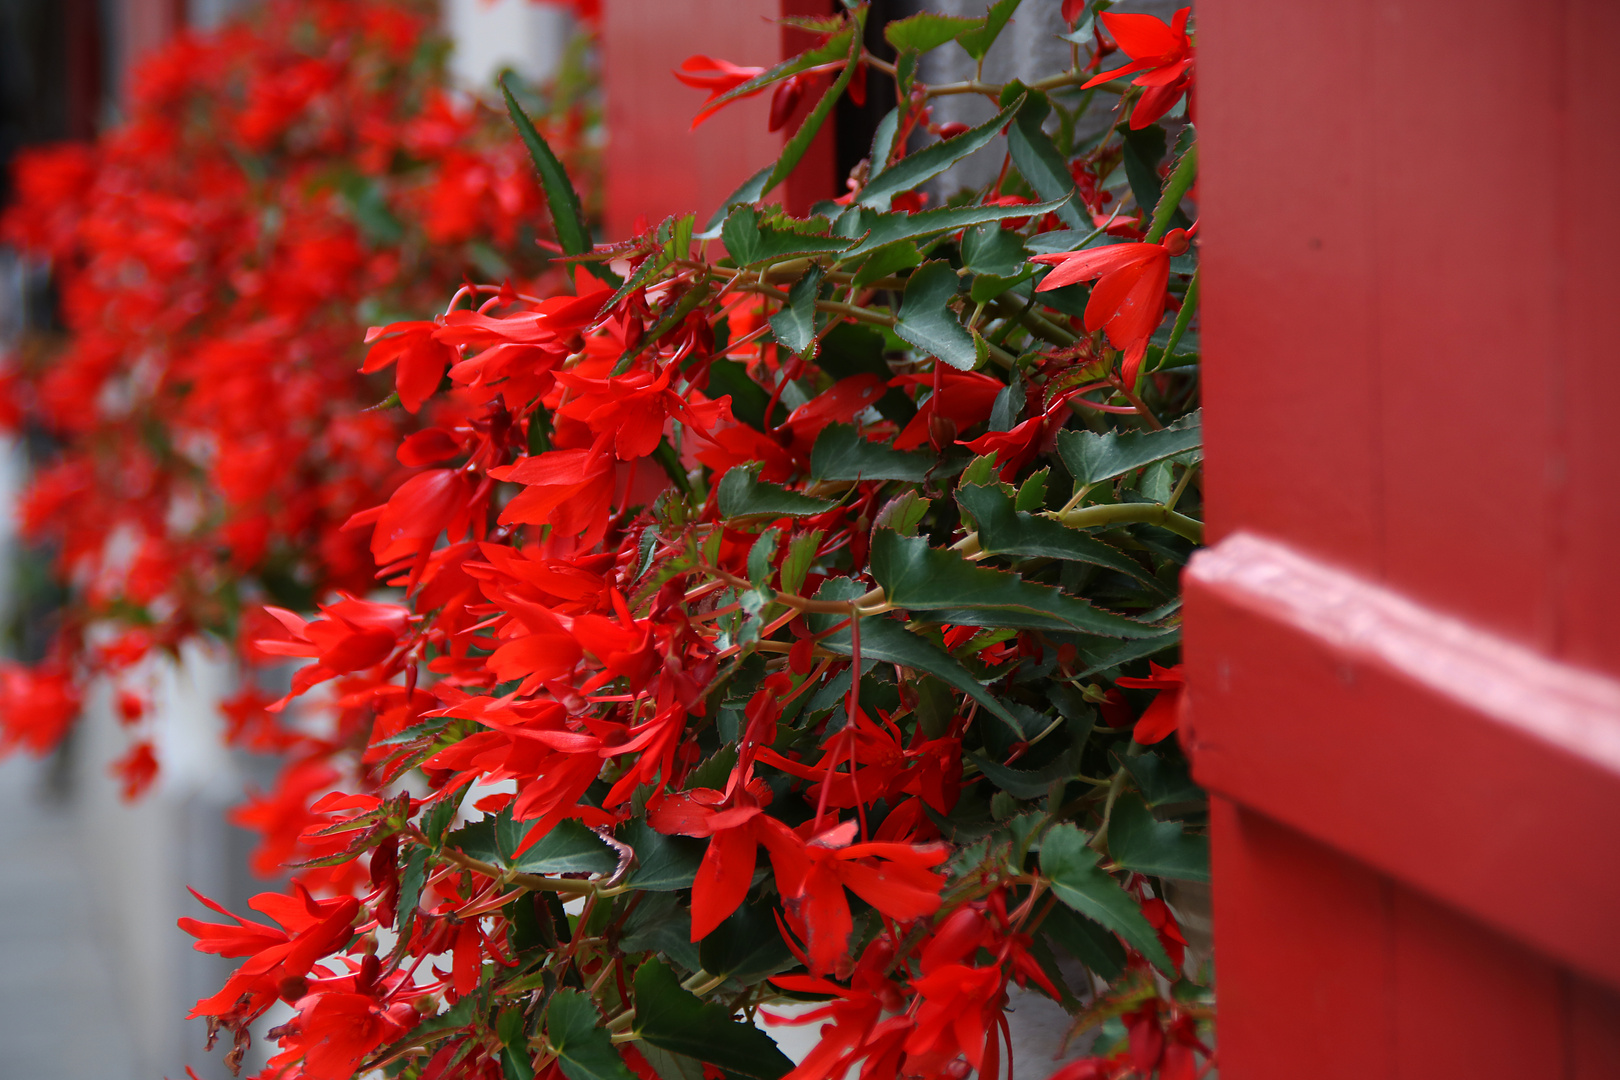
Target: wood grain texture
pixel 1401 650
pixel 656 165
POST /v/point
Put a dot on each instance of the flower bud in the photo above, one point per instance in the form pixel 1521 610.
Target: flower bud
pixel 1176 241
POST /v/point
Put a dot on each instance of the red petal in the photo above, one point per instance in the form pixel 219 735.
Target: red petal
pixel 722 879
pixel 1143 37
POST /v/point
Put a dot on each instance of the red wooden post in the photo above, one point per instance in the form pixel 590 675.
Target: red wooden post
pixel 1406 681
pixel 145 25
pixel 656 166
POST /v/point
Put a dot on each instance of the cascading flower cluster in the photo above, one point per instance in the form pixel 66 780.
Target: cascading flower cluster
pixel 209 433
pixel 776 616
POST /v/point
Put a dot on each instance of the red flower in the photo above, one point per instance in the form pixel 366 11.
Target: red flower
pixel 1161 717
pixel 337 1030
pixel 36 706
pixel 569 489
pixel 279 958
pixel 963 399
pixel 812 874
pixel 960 1007
pixel 355 635
pixel 717 77
pixel 420 360
pixel 735 828
pixel 137 769
pixel 1164 55
pixel 1129 298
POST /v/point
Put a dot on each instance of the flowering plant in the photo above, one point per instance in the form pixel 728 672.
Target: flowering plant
pixel 206 431
pixel 777 619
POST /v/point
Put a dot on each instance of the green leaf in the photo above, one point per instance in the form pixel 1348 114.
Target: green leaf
pixel 670 1066
pixel 1086 942
pixel 762 555
pixel 796 564
pixel 834 48
pixel 663 863
pixel 1008 408
pixel 743 494
pixel 1032 492
pixel 799 144
pixel 879 230
pixel 1155 485
pixel 842 453
pixel 439 817
pixel 584 1049
pixel 1144 149
pixel 410 890
pixel 661 924
pixel 926 322
pixel 638 277
pixel 904 512
pixel 1039 161
pixel 567 214
pixel 748 398
pixel 918 577
pixel 747 947
pixel 926 30
pixel 1176 186
pixel 1137 841
pixel 978 42
pixel 477 840
pixel 981 471
pixel 515 1059
pixel 569 848
pixel 1006 531
pixel 887 641
pixel 986 287
pixel 1164 781
pixel 888 260
pixel 1079 883
pixel 883 142
pixel 795 325
pixel 1092 458
pixel 753 239
pixel 990 249
pixel 674 1020
pixel 1131 650
pixel 1026 783
pixel 929 162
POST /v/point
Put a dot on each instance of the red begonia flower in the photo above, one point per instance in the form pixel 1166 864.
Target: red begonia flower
pixel 1162 52
pixel 1128 300
pixel 717 77
pixel 1162 717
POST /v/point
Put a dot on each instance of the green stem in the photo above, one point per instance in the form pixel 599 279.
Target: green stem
pixel 1121 513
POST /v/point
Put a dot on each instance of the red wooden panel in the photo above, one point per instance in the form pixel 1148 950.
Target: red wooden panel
pixel 1586 572
pixel 1405 269
pixel 1297 957
pixel 1466 310
pixel 1331 971
pixel 657 166
pixel 1402 643
pixel 1431 751
pixel 144 25
pixel 1287 311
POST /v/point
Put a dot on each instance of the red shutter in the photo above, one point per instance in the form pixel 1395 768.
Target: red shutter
pixel 657 166
pixel 1402 645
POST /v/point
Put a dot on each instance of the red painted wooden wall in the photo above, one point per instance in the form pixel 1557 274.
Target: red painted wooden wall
pixel 1402 645
pixel 655 165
